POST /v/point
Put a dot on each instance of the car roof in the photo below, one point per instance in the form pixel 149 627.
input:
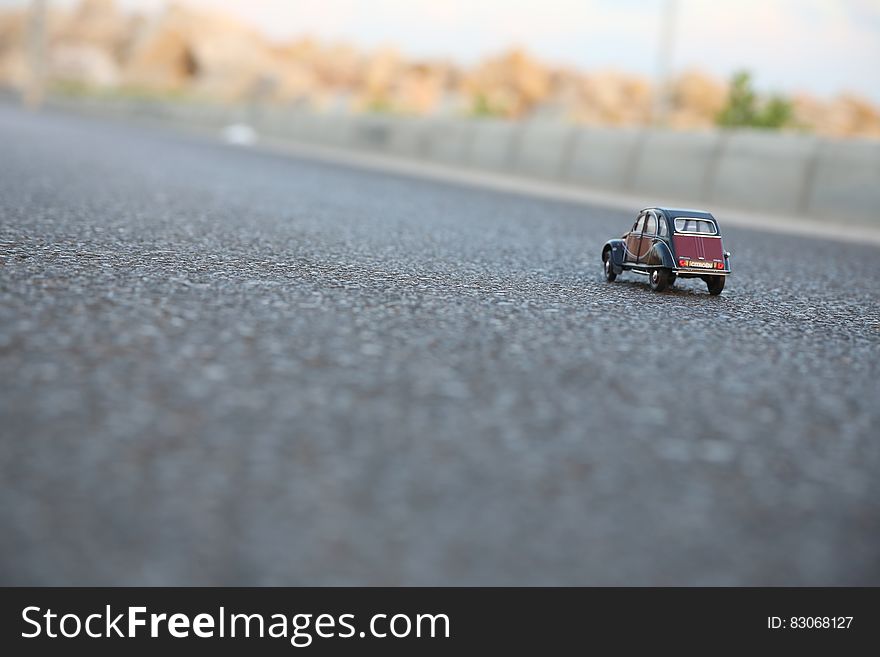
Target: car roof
pixel 684 212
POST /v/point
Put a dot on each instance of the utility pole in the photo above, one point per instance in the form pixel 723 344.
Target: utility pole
pixel 36 54
pixel 665 51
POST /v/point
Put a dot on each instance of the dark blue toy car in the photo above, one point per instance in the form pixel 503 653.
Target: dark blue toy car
pixel 664 244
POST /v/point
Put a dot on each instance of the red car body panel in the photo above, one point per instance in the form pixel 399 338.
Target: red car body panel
pixel 697 247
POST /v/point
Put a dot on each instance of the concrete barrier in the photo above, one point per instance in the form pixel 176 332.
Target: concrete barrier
pixel 845 181
pixel 307 127
pixel 343 130
pixel 493 145
pixel 278 121
pixel 407 137
pixel 367 132
pixel 446 140
pixel 768 172
pixel 544 149
pixel 203 115
pixel 603 158
pixel 763 172
pixel 676 165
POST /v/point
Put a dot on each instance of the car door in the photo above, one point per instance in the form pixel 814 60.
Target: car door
pixel 649 236
pixel 634 238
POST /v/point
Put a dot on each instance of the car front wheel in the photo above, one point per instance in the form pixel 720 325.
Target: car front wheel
pixel 660 279
pixel 715 284
pixel 610 276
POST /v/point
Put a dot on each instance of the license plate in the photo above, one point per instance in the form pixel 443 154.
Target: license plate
pixel 701 264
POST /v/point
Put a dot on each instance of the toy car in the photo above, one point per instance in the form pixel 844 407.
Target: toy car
pixel 665 244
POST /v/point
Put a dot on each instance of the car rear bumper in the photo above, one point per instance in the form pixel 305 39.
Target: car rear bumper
pixel 701 272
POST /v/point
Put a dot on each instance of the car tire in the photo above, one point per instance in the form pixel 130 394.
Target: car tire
pixel 610 276
pixel 715 284
pixel 659 279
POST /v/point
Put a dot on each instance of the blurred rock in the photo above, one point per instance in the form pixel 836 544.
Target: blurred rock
pixel 13 63
pixel 510 85
pixel 203 53
pixel 846 115
pixel 207 53
pixel 83 63
pixel 697 100
pixel 614 98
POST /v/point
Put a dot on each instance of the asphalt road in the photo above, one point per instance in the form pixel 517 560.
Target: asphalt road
pixel 224 366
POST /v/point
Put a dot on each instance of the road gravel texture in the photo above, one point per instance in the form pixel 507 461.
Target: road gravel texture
pixel 224 366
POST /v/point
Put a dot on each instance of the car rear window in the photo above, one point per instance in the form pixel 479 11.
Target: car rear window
pixel 694 225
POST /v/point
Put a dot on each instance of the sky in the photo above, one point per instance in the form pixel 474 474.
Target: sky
pixel 820 46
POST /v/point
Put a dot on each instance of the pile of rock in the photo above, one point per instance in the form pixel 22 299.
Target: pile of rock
pixel 205 54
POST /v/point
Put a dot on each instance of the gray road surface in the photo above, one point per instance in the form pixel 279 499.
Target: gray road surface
pixel 221 366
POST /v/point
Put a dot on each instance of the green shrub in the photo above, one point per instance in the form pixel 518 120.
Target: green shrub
pixel 744 109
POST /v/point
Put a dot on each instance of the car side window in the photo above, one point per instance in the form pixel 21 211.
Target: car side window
pixel 651 224
pixel 639 225
pixel 663 229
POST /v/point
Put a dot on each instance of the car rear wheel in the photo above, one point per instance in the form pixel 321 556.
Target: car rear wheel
pixel 660 279
pixel 715 284
pixel 610 276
